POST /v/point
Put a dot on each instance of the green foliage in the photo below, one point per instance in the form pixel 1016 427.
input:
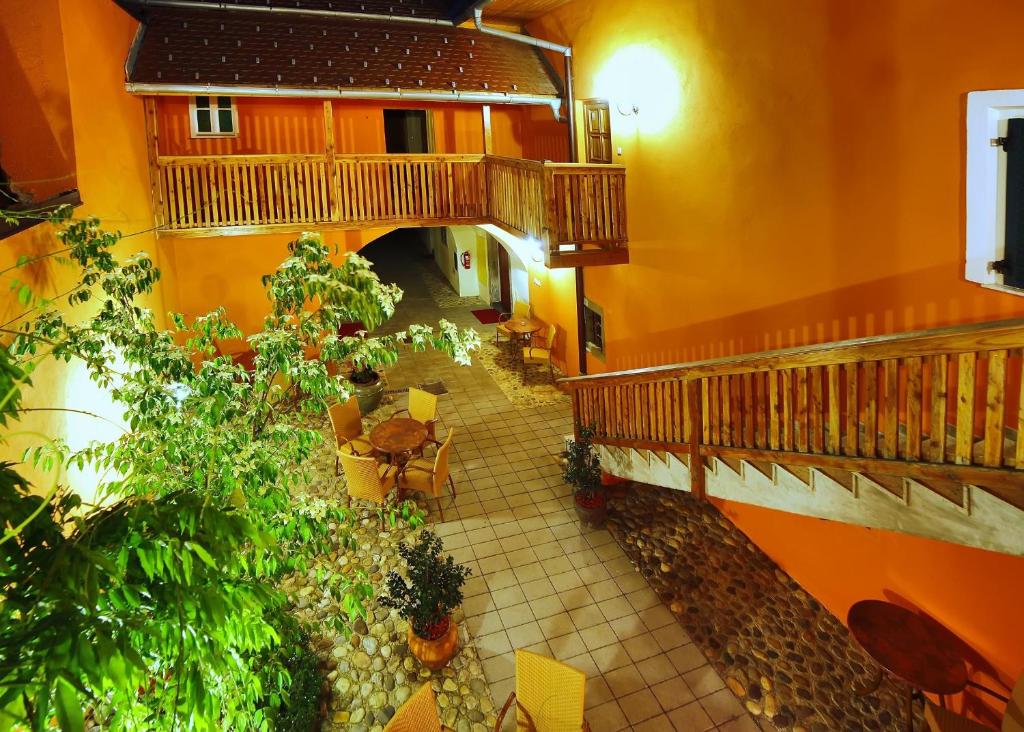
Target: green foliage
pixel 581 467
pixel 294 698
pixel 434 587
pixel 158 609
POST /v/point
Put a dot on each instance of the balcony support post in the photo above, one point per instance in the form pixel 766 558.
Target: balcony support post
pixel 331 178
pixel 152 157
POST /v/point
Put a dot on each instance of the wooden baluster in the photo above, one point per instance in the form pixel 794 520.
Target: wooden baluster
pixel 890 419
pixel 834 415
pixel 695 389
pixel 1019 457
pixel 966 365
pixel 802 399
pixel 639 416
pixel 748 410
pixel 687 418
pixel 852 410
pixel 870 441
pixel 705 409
pixel 912 450
pixel 788 413
pixel 715 416
pixel 995 409
pixel 816 407
pixel 774 411
pixel 760 427
pixel 939 396
pixel 728 426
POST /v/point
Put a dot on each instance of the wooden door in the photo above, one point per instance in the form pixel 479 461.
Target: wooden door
pixel 598 133
pixel 505 279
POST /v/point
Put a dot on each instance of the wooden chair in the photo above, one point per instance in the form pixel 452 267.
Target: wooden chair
pixel 367 479
pixel 429 476
pixel 519 310
pixel 423 408
pixel 347 423
pixel 418 714
pixel 541 355
pixel 943 720
pixel 548 695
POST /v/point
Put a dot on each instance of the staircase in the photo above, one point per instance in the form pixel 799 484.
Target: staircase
pixel 916 432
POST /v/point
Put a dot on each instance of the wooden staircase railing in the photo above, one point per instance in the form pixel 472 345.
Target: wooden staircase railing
pixel 578 210
pixel 942 407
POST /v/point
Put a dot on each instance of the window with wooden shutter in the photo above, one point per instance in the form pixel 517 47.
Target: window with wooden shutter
pixel 1012 265
pixel 598 131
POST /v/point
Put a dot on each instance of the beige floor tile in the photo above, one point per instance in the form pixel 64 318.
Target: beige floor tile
pixel 607 717
pixel 597 693
pixel 641 647
pixel 615 608
pixel 673 693
pixel 508 597
pixel 529 573
pixel 474 586
pixel 502 579
pixel 594 574
pixel 539 537
pixel 546 606
pixel 643 599
pixel 628 627
pixel 586 617
pixel 740 724
pixel 576 597
pixel 629 582
pixel 686 658
pixel 703 681
pixel 493 564
pixel 620 566
pixel 691 718
pixel 640 705
pixel 541 648
pixel 532 523
pixel 721 706
pixel 585 558
pixel 610 657
pixel 656 669
pixel 671 636
pixel 624 681
pixel 609 552
pixel 604 590
pixel 656 617
pixel 515 615
pixel 556 625
pixel 566 580
pixel 661 723
pixel 599 635
pixel 585 663
pixel 478 604
pixel 538 589
pixel 507 529
pixel 500 667
pixel 515 543
pixel 493 644
pixel 567 646
pixel 462 555
pixel 484 549
pixel 522 636
pixel 483 624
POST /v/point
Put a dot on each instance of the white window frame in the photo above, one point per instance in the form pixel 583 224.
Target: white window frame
pixel 987 115
pixel 214 117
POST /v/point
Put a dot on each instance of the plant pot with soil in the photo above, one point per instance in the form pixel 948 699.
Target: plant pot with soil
pixel 426 598
pixel 369 388
pixel 581 468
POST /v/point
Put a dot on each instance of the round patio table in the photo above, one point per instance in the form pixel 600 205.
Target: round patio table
pixel 915 649
pixel 398 436
pixel 524 328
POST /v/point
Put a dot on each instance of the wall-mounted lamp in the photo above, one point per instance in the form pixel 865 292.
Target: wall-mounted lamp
pixel 627 109
pixel 535 246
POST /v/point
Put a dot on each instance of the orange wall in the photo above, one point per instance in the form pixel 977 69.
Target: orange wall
pixel 795 175
pixel 296 126
pixel 36 143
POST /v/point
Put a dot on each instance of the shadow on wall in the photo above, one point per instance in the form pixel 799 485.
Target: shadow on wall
pixel 873 308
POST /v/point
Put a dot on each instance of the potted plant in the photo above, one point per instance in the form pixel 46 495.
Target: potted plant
pixel 369 387
pixel 433 590
pixel 581 468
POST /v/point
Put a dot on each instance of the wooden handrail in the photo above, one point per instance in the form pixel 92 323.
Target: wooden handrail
pixel 942 405
pixel 555 203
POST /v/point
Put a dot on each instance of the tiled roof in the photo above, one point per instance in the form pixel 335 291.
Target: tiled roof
pixel 234 48
pixel 411 8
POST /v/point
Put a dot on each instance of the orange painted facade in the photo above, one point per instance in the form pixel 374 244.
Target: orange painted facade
pixel 796 175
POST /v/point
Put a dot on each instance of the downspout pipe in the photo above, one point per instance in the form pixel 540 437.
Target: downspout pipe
pixel 570 107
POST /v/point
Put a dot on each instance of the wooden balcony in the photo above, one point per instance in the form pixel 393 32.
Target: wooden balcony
pixel 576 212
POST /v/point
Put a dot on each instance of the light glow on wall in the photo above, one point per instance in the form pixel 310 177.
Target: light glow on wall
pixel 641 78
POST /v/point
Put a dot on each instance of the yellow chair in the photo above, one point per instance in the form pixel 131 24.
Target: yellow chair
pixel 367 479
pixel 423 408
pixel 418 714
pixel 519 310
pixel 429 476
pixel 943 720
pixel 347 423
pixel 548 695
pixel 541 355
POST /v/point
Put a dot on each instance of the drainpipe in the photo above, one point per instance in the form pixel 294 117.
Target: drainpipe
pixel 570 107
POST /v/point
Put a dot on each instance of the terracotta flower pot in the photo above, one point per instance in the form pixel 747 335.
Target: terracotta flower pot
pixel 592 510
pixel 369 396
pixel 435 654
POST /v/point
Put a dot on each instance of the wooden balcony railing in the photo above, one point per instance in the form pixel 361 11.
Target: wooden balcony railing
pixel 945 407
pixel 579 211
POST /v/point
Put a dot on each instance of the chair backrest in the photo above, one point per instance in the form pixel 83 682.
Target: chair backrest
pixel 1013 720
pixel 362 478
pixel 418 714
pixel 422 405
pixel 346 420
pixel 549 339
pixel 520 309
pixel 441 462
pixel 549 694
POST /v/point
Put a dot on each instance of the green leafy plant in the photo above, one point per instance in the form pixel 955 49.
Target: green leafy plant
pixel 433 588
pixel 157 607
pixel 295 703
pixel 581 466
